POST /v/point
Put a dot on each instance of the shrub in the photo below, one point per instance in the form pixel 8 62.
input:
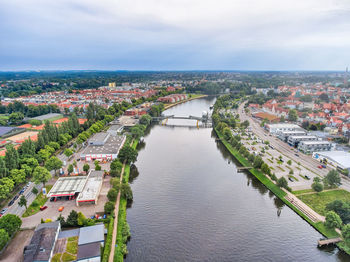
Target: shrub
pixel 109 207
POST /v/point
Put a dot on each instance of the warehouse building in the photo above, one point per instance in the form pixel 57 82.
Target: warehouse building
pixel 92 188
pixel 283 135
pixel 103 146
pixel 295 140
pixel 309 147
pixel 275 128
pixel 340 160
pixel 67 187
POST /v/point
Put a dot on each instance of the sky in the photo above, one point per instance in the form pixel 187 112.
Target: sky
pixel 174 34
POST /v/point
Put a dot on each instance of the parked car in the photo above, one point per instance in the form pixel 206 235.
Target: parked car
pixel 296 154
pixel 16 196
pixel 307 177
pixel 43 208
pixel 324 166
pixel 21 192
pixel 60 209
pixel 291 179
pixel 320 167
pixel 11 202
pixel 52 199
pixel 3 212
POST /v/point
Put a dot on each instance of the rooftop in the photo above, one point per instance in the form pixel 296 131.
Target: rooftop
pixel 111 146
pixel 89 251
pixel 341 157
pixel 92 186
pixel 317 142
pixel 91 234
pixel 42 242
pixel 67 186
pixel 98 137
pixel 283 125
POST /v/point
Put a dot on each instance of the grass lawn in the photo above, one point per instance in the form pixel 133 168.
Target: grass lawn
pixel 56 257
pixel 40 199
pixel 4 117
pixel 318 201
pixel 72 245
pixel 67 257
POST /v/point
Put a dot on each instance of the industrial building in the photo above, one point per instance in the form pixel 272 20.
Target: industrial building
pixel 340 160
pixel 42 244
pixel 67 186
pixel 283 135
pixel 309 147
pixel 275 128
pixel 103 146
pixel 91 189
pixel 295 140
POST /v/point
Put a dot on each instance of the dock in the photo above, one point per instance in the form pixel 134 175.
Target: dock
pixel 330 241
pixel 241 168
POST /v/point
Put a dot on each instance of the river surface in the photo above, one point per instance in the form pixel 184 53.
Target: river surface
pixel 190 204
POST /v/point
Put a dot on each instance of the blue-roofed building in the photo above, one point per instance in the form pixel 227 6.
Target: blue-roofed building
pixel 6 131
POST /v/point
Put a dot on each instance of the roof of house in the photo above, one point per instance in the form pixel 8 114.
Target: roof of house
pixel 341 157
pixel 5 129
pixel 89 251
pixel 42 242
pixel 91 234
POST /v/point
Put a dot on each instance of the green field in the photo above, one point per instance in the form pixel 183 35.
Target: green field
pixel 318 201
pixel 4 117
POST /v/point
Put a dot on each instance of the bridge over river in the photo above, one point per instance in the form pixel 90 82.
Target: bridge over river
pixel 201 122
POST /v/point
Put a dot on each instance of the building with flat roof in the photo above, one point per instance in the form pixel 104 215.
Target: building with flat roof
pixel 92 188
pixel 295 140
pixel 103 150
pixel 99 139
pixel 340 160
pixel 67 186
pixel 275 128
pixel 43 242
pixel 283 135
pixel 309 147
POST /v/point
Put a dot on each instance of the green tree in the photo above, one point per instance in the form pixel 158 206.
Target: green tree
pixel 137 131
pixel 332 178
pixel 4 238
pixel 68 152
pixel 18 176
pixel 86 168
pixel 81 219
pixel 128 154
pixel 145 120
pixel 41 175
pixel 6 187
pixel 35 191
pixel 11 223
pixel 11 157
pixel 53 163
pixel 16 118
pixel 316 186
pixel 340 207
pixel 289 162
pixel 126 192
pixel 22 202
pixel 109 207
pixel 112 195
pixel 43 155
pixel 333 220
pixel 282 182
pixel 346 233
pixel 72 219
pixel 292 115
pixel 70 169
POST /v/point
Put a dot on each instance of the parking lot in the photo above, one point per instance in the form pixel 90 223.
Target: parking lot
pixel 298 176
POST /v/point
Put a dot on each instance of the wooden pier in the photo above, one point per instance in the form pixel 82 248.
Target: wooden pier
pixel 241 168
pixel 330 241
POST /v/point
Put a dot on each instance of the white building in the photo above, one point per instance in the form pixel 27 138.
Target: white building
pixel 340 160
pixel 283 135
pixel 309 147
pixel 295 140
pixel 275 128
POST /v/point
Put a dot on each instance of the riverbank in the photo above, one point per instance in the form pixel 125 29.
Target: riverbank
pixel 319 226
pixel 193 96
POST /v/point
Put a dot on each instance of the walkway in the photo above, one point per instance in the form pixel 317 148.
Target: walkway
pixel 305 209
pixel 115 227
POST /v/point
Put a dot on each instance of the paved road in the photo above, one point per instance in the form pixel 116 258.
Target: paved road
pixel 18 210
pixel 305 160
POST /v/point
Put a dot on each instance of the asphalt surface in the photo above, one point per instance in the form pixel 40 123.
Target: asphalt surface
pixel 305 160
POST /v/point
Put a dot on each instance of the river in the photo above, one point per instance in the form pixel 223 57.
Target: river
pixel 190 204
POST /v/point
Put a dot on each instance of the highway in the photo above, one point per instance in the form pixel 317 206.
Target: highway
pixel 305 160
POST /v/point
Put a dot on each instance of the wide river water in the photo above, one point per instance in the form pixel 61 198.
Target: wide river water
pixel 190 204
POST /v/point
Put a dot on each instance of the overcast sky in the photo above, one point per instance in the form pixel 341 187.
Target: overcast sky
pixel 175 34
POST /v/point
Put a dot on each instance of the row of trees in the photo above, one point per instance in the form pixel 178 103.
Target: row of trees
pixel 9 225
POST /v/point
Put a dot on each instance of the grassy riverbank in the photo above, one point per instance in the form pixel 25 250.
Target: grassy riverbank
pixel 123 232
pixel 319 226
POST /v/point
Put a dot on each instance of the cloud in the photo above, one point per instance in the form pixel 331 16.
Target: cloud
pixel 174 34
